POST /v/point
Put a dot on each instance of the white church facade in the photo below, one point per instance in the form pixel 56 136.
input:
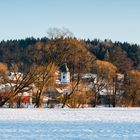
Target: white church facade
pixel 64 74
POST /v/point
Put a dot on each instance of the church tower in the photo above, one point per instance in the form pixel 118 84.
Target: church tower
pixel 65 74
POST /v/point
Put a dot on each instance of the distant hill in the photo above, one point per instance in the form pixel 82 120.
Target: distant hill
pixel 32 51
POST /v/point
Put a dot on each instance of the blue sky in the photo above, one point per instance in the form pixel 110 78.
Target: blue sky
pixel 103 19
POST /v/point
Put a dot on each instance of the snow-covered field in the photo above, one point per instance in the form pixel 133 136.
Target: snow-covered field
pixel 70 124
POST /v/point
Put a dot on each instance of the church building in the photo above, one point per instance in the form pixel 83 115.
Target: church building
pixel 64 74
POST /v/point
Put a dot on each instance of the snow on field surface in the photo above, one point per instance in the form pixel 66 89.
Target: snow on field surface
pixel 70 124
pixel 91 114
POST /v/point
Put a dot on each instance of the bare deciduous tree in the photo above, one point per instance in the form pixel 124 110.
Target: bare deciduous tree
pixel 45 77
pixel 55 33
pixel 21 83
pixel 106 72
pixel 131 96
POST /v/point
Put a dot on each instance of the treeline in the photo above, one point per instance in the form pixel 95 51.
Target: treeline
pixel 124 55
pixel 38 58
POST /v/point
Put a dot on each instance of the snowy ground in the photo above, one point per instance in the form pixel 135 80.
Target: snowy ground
pixel 70 124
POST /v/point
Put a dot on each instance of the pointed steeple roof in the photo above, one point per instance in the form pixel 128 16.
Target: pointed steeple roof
pixel 64 68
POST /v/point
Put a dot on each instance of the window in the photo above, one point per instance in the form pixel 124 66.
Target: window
pixel 63 76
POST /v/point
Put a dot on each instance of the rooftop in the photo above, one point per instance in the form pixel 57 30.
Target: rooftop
pixel 64 68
